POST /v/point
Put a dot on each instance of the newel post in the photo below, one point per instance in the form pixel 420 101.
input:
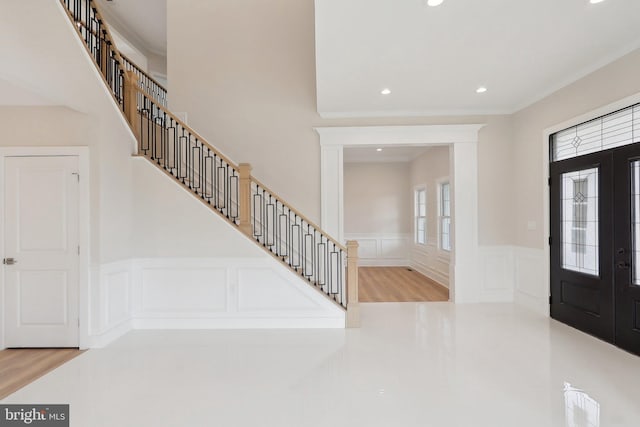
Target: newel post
pixel 131 101
pixel 244 170
pixel 353 306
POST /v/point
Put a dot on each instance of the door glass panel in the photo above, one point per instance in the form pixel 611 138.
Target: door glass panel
pixel 635 208
pixel 580 221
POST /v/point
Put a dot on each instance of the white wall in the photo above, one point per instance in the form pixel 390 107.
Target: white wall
pixel 51 126
pixel 585 99
pixel 376 212
pixel 428 171
pixel 253 96
pixel 170 222
pixel 607 85
pixel 64 73
pixel 376 199
pixel 129 50
pixel 53 62
pixel 190 268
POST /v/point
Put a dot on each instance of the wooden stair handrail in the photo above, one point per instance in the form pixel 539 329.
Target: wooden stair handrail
pixel 348 296
pixel 237 167
pixel 297 212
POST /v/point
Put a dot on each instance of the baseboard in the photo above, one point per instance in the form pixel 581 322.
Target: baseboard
pixel 107 337
pixel 432 274
pixel 538 305
pixel 432 262
pixel 383 262
pixel 240 323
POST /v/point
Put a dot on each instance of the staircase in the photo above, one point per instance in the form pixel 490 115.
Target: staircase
pixel 225 187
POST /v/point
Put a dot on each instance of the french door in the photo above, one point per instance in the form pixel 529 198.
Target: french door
pixel 595 244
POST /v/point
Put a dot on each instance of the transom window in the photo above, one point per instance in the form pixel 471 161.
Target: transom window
pixel 613 130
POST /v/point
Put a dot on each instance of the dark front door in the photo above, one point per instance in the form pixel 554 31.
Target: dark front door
pixel 626 244
pixel 595 263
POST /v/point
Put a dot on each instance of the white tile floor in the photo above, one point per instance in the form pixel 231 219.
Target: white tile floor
pixel 411 364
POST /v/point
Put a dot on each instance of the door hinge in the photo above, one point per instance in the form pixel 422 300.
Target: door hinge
pixel 77 175
pixel 550 240
pixel 549 299
pixel 549 181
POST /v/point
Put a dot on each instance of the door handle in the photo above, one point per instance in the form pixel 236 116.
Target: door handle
pixel 623 265
pixel 9 261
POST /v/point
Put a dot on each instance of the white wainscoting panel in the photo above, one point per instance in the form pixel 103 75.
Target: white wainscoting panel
pixel 431 262
pixel 207 293
pixel 118 297
pixel 171 293
pixel 183 290
pixel 111 301
pixel 532 278
pixel 382 250
pixel 264 290
pixel 496 273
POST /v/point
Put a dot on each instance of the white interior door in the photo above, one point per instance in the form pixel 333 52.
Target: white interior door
pixel 41 251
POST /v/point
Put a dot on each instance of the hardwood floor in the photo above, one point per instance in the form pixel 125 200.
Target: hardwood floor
pixel 397 284
pixel 19 367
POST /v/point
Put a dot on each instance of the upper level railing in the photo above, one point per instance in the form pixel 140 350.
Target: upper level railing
pixel 146 82
pixel 224 186
pixel 95 33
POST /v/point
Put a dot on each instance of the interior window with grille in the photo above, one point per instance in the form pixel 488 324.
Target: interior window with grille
pixel 445 217
pixel 420 220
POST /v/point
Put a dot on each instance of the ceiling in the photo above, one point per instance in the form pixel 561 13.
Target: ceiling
pixel 143 22
pixel 434 58
pixel 369 154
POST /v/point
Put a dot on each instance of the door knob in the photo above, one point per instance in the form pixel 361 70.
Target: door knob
pixel 623 265
pixel 9 261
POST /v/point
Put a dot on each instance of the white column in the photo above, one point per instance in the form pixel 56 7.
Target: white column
pixel 463 268
pixel 331 189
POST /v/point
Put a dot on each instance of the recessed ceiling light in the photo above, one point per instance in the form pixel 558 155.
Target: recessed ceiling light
pixel 434 2
pixel 378 149
pixel 595 1
pixel 385 91
pixel 481 89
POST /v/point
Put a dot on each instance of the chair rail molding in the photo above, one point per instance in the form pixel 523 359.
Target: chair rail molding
pixel 382 249
pixel 463 141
